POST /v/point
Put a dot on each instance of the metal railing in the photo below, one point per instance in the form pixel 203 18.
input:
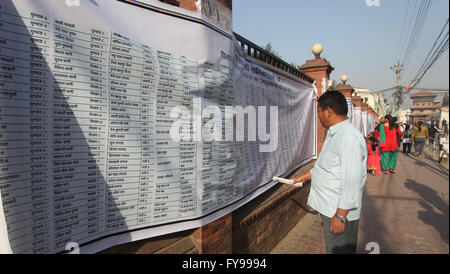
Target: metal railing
pixel 261 54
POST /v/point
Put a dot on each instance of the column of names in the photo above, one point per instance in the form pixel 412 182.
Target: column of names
pixel 24 97
pixel 79 132
pixel 125 132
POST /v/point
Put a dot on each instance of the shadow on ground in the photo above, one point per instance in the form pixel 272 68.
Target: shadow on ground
pixel 431 200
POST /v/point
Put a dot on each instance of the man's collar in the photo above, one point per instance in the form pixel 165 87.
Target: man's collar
pixel 335 128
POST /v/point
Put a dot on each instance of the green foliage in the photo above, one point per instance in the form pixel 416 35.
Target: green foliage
pixel 269 48
pixel 334 85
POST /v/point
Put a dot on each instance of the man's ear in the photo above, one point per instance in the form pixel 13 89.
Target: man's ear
pixel 328 112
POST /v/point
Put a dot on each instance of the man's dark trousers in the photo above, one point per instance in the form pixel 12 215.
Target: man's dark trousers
pixel 344 243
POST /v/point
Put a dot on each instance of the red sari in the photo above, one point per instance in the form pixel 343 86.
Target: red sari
pixel 390 138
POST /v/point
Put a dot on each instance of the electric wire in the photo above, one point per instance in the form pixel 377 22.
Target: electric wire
pixel 403 30
pixel 423 11
pixel 424 64
pixel 439 47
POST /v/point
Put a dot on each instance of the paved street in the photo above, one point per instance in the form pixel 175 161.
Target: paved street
pixel 405 213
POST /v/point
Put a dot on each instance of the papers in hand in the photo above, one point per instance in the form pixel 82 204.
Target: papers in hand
pixel 287 181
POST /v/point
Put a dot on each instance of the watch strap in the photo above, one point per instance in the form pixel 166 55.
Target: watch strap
pixel 341 219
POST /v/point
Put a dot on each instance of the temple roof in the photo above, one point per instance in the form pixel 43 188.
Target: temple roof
pixel 423 93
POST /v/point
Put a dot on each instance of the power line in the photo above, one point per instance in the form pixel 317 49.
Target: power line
pixel 439 47
pixel 409 24
pixel 380 91
pixel 403 30
pixel 393 89
pixel 422 68
pixel 422 14
pixel 413 32
pixel 436 56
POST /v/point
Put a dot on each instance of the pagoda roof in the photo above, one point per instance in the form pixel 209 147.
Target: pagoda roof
pixel 423 93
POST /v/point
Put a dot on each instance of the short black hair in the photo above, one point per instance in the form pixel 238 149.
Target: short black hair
pixel 335 100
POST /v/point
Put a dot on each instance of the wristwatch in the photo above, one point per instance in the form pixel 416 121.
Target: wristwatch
pixel 341 219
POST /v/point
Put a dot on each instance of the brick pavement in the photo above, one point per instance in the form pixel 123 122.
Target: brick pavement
pixel 305 238
pixel 405 213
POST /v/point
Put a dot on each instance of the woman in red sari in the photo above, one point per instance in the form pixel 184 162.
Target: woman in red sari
pixel 389 135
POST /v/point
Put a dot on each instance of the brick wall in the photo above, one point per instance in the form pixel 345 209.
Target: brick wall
pixel 215 237
pixel 255 228
pixel 187 4
pixel 259 226
pixel 261 233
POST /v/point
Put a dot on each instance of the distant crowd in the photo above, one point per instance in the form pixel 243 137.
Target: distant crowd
pixel 389 135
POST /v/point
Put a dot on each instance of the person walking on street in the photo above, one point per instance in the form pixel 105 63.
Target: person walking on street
pixel 432 133
pixel 389 136
pixel 402 126
pixel 420 135
pixel 373 157
pixel 339 175
pixel 406 140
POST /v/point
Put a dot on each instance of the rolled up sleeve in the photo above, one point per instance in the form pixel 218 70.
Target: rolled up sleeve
pixel 353 167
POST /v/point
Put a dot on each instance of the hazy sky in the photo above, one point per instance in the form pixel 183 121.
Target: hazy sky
pixel 360 41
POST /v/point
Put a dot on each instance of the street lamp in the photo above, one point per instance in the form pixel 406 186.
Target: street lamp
pixel 317 49
pixel 344 79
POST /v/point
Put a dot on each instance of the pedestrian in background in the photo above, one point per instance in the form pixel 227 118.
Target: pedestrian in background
pixel 444 129
pixel 432 133
pixel 339 175
pixel 406 140
pixel 402 126
pixel 389 136
pixel 373 157
pixel 420 136
pixel 376 130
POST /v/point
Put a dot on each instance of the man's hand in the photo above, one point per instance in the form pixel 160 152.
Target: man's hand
pixel 336 227
pixel 302 178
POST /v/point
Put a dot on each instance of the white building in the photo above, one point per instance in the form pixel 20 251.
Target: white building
pixel 403 115
pixel 375 101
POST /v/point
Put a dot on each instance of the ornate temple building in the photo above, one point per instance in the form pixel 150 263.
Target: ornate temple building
pixel 424 107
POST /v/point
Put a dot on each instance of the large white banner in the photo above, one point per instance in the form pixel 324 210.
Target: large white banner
pixel 350 109
pixel 357 119
pixel 364 120
pixel 371 124
pixel 125 120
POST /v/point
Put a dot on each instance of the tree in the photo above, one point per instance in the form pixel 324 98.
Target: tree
pixel 334 85
pixel 269 48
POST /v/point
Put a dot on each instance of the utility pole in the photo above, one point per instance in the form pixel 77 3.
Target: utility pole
pixel 398 96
